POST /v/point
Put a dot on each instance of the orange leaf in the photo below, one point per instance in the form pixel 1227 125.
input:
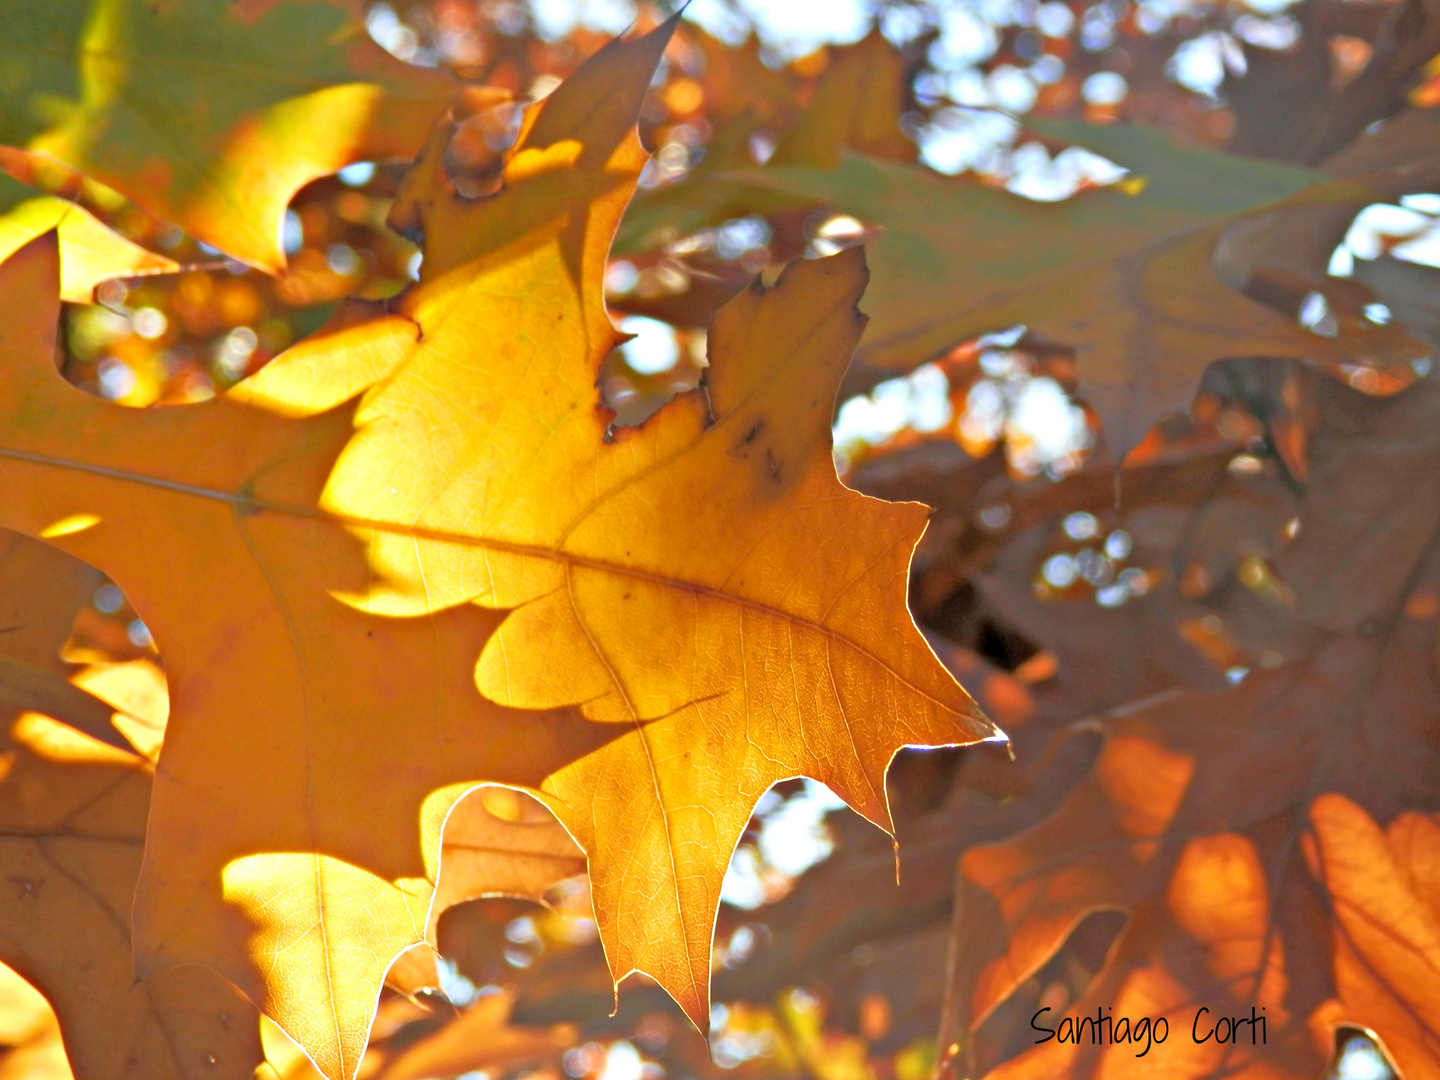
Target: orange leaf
pixel 72 825
pixel 1386 896
pixel 700 607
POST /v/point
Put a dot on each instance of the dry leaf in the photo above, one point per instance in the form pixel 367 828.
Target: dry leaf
pixel 1385 895
pixel 1123 274
pixel 501 842
pixel 857 106
pixel 481 1039
pixel 1232 827
pixel 414 970
pixel 72 825
pixel 322 598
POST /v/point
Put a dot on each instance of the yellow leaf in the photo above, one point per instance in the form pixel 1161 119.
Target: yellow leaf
pixel 327 557
pixel 90 251
pixel 1387 926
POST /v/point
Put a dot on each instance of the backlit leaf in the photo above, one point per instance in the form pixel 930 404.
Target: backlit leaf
pixel 501 842
pixel 208 113
pixel 700 607
pixel 72 825
pixel 90 250
pixel 1257 839
pixel 1123 274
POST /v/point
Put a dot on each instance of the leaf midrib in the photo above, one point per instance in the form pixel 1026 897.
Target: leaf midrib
pixel 243 503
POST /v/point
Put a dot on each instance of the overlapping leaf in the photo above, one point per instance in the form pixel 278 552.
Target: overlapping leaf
pixel 93 252
pixel 1230 827
pixel 207 113
pixel 480 1039
pixel 701 608
pixel 1124 274
pixel 856 106
pixel 500 842
pixel 72 825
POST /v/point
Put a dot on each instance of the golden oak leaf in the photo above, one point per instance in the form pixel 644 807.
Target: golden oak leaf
pixel 337 532
pixel 205 845
pixel 579 544
pixel 207 113
pixel 72 825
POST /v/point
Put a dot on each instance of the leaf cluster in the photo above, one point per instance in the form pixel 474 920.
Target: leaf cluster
pixel 380 693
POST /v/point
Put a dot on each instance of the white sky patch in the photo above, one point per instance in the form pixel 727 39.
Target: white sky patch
pixel 1414 223
pixel 654 347
pixel 1202 63
pixel 622 1062
pixel 1361 1059
pixel 793 28
pixel 792 838
pixel 920 401
pixel 1046 423
pixel 555 18
pixel 962 139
